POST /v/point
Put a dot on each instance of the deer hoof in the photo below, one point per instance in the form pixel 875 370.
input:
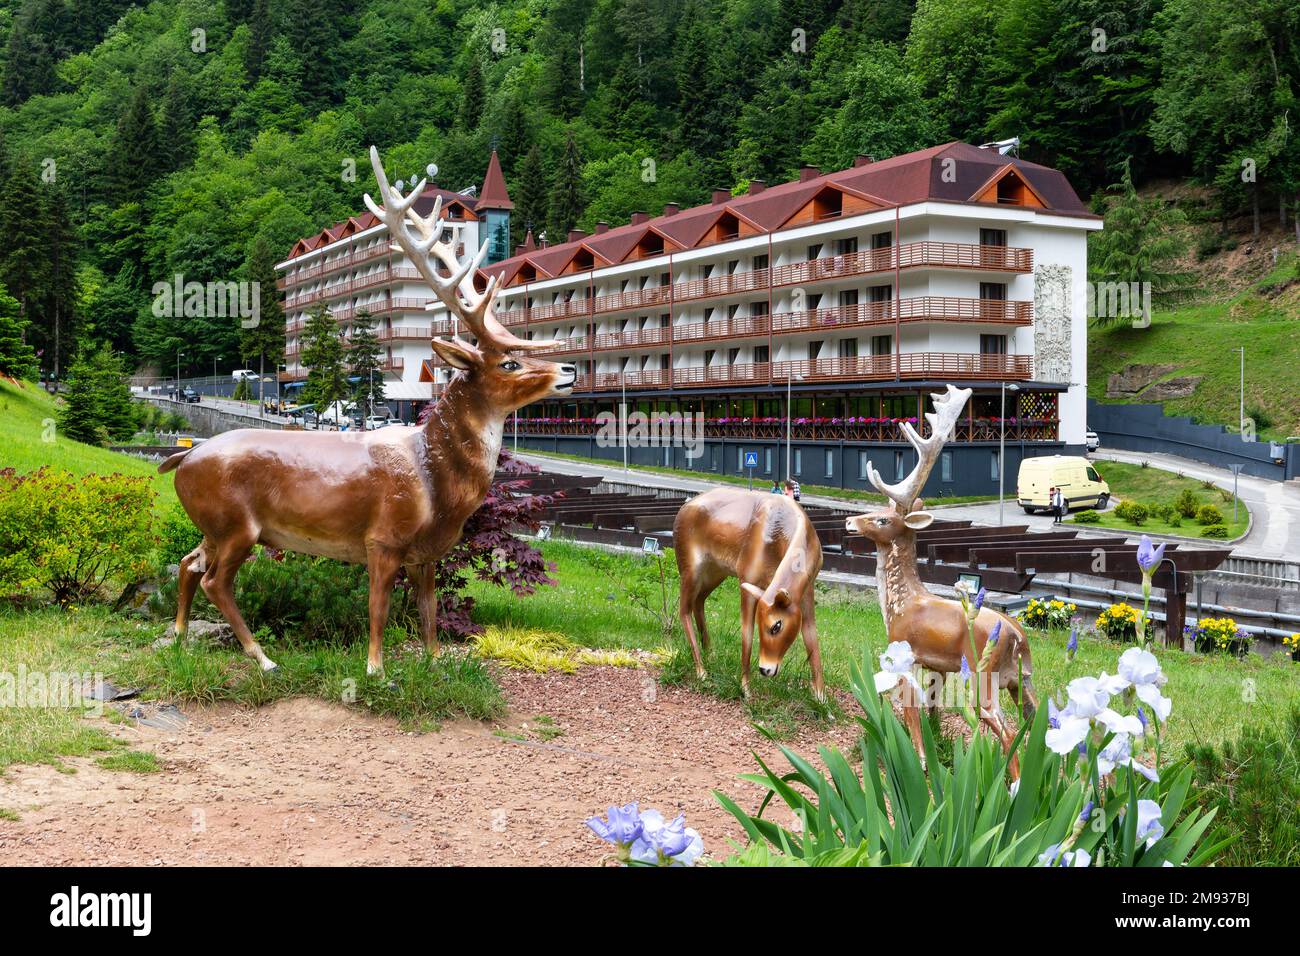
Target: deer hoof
pixel 374 671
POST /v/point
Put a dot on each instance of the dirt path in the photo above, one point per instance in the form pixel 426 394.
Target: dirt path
pixel 310 782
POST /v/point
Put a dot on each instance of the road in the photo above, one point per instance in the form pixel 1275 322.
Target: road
pixel 1274 506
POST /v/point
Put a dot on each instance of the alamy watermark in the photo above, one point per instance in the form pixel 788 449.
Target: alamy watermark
pixel 41 689
pixel 1120 300
pixel 193 300
pixel 653 430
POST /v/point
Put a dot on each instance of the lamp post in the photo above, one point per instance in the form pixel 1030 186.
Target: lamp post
pixel 622 413
pixel 1236 470
pixel 1241 408
pixel 1002 449
pixel 179 353
pixel 789 381
pixel 215 360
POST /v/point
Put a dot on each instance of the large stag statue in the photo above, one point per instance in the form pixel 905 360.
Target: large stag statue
pixel 388 498
pixel 936 628
pixel 767 542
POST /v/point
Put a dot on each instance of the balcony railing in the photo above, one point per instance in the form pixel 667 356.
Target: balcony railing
pixel 376 309
pixel 383 277
pixel 351 260
pixel 828 429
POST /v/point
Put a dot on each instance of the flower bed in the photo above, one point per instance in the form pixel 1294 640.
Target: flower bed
pixel 1219 635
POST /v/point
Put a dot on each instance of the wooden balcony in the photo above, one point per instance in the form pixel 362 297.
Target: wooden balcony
pixel 383 277
pixel 911 255
pixel 349 261
pixel 878 430
pixel 634 338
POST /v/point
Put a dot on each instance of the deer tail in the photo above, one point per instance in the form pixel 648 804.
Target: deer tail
pixel 170 464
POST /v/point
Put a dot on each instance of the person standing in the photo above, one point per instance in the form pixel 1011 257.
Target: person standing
pixel 1058 505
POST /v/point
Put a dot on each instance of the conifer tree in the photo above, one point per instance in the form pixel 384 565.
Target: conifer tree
pixel 364 363
pixel 324 356
pixel 17 358
pixel 472 97
pixel 530 198
pixel 566 205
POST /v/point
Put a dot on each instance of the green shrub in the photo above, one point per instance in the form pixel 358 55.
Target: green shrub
pixel 1175 520
pixel 1209 514
pixel 1214 531
pixel 1255 786
pixel 1187 503
pixel 1088 516
pixel 1133 512
pixel 177 536
pixel 67 537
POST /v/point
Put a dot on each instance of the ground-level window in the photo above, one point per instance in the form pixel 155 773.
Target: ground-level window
pixel 862 465
pixel 798 461
pixel 899 466
pixel 830 464
pixel 994 465
pixel 945 466
pixel 767 461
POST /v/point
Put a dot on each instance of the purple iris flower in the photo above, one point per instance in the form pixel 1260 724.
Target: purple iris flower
pixel 1142 718
pixel 661 841
pixel 995 634
pixel 1087 812
pixel 965 670
pixel 1147 556
pixel 1053 715
pixel 1073 647
pixel 623 828
pixel 979 598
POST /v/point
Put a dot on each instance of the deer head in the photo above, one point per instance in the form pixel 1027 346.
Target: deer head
pixel 906 511
pixel 494 363
pixel 777 621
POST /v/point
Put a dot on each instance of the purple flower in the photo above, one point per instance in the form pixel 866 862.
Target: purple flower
pixel 1073 647
pixel 995 634
pixel 1087 812
pixel 623 827
pixel 1142 718
pixel 1147 556
pixel 965 670
pixel 673 844
pixel 979 598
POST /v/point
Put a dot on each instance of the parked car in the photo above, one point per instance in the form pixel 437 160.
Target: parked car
pixel 190 395
pixel 242 373
pixel 1080 484
pixel 1091 441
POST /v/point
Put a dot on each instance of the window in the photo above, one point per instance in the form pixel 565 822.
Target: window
pixel 708 314
pixel 830 463
pixel 758 308
pixel 900 466
pixel 993 465
pixel 732 310
pixel 945 466
pixel 815 251
pixel 993 345
pixel 881 293
pixel 665 279
pixel 798 461
pixel 993 237
pixel 848 297
pixel 767 461
pixel 846 246
pixel 1092 475
pixel 815 348
pixel 760 262
pixel 862 465
pixel 882 240
pixel 708 356
pixel 814 300
pixel 760 354
pixel 848 348
pixel 731 267
pixel 732 355
pixel 882 345
pixel 740 460
pixel 993 290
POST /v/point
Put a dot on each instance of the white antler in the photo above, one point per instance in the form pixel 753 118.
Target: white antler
pixel 424 244
pixel 947 409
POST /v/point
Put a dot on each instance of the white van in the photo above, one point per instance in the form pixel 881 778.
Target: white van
pixel 1079 481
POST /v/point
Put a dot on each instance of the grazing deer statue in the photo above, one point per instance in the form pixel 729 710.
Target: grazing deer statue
pixel 936 628
pixel 388 498
pixel 767 542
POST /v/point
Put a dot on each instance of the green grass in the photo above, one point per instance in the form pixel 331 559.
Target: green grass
pixel 9 815
pixel 1213 696
pixel 1200 338
pixel 1153 485
pixel 760 484
pixel 30 439
pixel 130 761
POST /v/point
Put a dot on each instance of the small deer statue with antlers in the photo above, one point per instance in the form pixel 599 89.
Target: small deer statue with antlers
pixel 767 542
pixel 388 498
pixel 936 628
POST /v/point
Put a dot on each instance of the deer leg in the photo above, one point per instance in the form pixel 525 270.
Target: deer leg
pixel 689 605
pixel 912 718
pixel 382 566
pixel 812 646
pixel 219 585
pixel 426 597
pixel 991 717
pixel 748 607
pixel 190 571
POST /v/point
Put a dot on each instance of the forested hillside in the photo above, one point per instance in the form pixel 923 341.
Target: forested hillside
pixel 201 137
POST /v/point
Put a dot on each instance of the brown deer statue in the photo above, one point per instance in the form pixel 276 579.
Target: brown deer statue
pixel 767 542
pixel 936 628
pixel 392 498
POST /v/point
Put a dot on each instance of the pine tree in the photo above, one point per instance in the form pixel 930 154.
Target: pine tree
pixel 24 264
pixel 35 48
pixel 262 33
pixel 514 137
pixel 364 362
pixel 17 358
pixel 472 97
pixel 323 354
pixel 176 125
pixel 79 419
pixel 263 343
pixel 135 158
pixel 566 204
pixel 530 197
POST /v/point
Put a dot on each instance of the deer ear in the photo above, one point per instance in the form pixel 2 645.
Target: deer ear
pixel 918 520
pixel 456 353
pixel 755 592
pixel 782 598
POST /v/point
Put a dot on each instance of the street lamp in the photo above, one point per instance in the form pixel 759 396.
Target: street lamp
pixel 1002 447
pixel 179 353
pixel 790 378
pixel 622 412
pixel 1236 471
pixel 215 360
pixel 1241 410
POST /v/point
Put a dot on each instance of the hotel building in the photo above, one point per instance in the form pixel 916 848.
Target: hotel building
pixel 855 293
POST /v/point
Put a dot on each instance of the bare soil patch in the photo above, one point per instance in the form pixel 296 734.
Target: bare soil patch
pixel 307 782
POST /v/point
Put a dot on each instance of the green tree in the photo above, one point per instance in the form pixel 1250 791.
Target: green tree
pixel 97 401
pixel 36 44
pixel 135 155
pixel 364 362
pixel 262 344
pixel 566 205
pixel 324 355
pixel 17 358
pixel 473 98
pixel 531 201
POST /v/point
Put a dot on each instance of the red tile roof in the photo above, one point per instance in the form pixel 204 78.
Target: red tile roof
pixel 493 195
pixel 364 221
pixel 900 180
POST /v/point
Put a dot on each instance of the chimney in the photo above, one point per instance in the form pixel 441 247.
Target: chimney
pixel 671 208
pixel 862 159
pixel 601 227
pixel 756 186
pixel 575 235
pixel 721 196
pixel 808 172
pixel 639 218
pixel 519 249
